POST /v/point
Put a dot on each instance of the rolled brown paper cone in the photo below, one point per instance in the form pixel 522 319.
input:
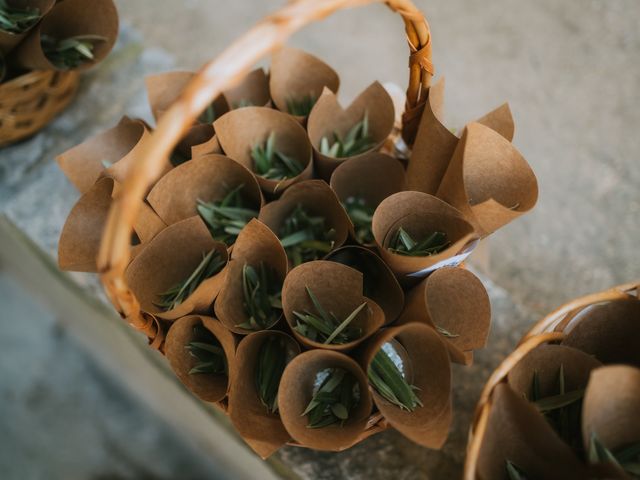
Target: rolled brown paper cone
pixel 169 258
pixel 608 331
pixel 296 74
pixel 148 224
pixel 256 244
pixel 253 89
pixel 516 432
pixel 488 180
pixel 318 199
pixel 196 135
pixel 296 391
pixel 68 19
pixel 263 431
pixel 208 178
pixel 453 299
pixel 339 290
pixel 208 387
pixel 427 355
pixel 328 117
pixel 420 214
pixel 611 406
pixel 9 40
pixel 210 146
pixel 379 282
pixel 242 129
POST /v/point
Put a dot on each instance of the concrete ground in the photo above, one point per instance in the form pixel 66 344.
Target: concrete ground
pixel 570 71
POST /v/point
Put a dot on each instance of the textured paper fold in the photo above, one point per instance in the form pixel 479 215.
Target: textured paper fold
pixel 429 361
pixel 262 430
pixel 67 19
pixel 210 146
pixel 9 40
pixel 256 244
pixel 295 393
pixel 208 387
pixel 328 117
pixel 253 90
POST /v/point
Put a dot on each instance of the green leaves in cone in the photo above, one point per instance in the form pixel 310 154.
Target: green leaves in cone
pixel 272 359
pixel 271 164
pixel 301 107
pixel 361 215
pixel 211 264
pixel 225 218
pixel 70 52
pixel 403 244
pixel 626 458
pixel 334 400
pixel 262 297
pixel 389 382
pixel 305 237
pixel 207 350
pixel 325 327
pixel 17 19
pixel 358 140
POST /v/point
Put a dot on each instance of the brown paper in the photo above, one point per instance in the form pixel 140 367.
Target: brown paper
pixel 328 117
pixel 67 19
pixel 242 129
pixel 488 180
pixel 379 282
pixel 339 290
pixel 611 406
pixel 208 387
pixel 455 300
pixel 428 368
pixel 169 258
pixel 318 199
pixel 9 40
pixel 419 214
pixel 262 430
pixel 296 74
pixel 208 178
pixel 609 331
pixel 296 391
pixel 196 135
pixel 516 432
pixel 256 244
pixel 210 146
pixel 253 89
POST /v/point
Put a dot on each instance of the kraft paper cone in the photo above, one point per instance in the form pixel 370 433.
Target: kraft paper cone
pixel 240 130
pixel 318 199
pixel 488 180
pixel 208 387
pixel 296 75
pixel 67 19
pixel 164 89
pixel 420 214
pixel 209 178
pixel 253 90
pixel 296 391
pixel 256 244
pixel 9 40
pixel 263 431
pixel 435 143
pixel 328 117
pixel 339 290
pixel 611 406
pixel 454 300
pixel 210 146
pixel 196 135
pixel 516 432
pixel 169 258
pixel 608 331
pixel 428 359
pixel 378 281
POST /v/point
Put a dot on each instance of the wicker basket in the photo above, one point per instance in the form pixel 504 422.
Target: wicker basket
pixel 550 329
pixel 30 101
pixel 222 73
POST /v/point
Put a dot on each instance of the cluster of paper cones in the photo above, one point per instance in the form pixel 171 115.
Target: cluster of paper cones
pixel 308 207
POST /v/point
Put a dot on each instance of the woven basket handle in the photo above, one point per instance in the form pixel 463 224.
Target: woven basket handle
pixel 220 74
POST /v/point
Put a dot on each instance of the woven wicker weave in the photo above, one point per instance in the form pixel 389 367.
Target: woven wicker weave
pixel 30 101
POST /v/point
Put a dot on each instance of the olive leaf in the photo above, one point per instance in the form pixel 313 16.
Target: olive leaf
pixel 272 359
pixel 305 237
pixel 334 400
pixel 361 216
pixel 207 350
pixel 387 379
pixel 70 52
pixel 403 244
pixel 17 20
pixel 272 164
pixel 262 297
pixel 358 140
pixel 301 107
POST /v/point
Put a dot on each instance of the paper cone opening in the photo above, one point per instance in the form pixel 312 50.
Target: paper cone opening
pixel 261 429
pixel 8 40
pixel 206 386
pixel 296 391
pixel 210 146
pixel 196 135
pixel 170 258
pixel 253 90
